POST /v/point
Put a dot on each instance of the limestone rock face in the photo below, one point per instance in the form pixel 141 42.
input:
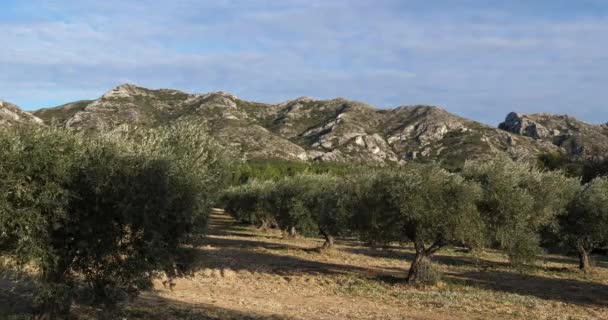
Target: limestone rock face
pixel 572 136
pixel 426 132
pixel 304 129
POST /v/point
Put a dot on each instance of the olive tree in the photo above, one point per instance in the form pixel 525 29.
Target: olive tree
pixel 424 204
pixel 518 201
pixel 324 198
pixel 248 203
pixel 35 166
pixel 288 202
pixel 370 202
pixel 310 203
pixel 104 212
pixel 585 225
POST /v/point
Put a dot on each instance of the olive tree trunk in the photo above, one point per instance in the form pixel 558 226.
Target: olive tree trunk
pixel 57 304
pixel 584 261
pixel 422 254
pixel 329 239
pixel 412 275
pixel 265 225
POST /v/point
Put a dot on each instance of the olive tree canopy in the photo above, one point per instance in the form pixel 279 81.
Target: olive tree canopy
pixel 518 201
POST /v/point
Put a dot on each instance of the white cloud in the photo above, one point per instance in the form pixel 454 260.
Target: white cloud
pixel 478 61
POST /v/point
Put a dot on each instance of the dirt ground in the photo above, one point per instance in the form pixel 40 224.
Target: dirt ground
pixel 244 273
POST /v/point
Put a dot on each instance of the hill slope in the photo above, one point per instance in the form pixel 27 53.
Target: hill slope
pixel 10 114
pixel 303 129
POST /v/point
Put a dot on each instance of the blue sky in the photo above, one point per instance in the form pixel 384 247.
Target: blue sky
pixel 476 58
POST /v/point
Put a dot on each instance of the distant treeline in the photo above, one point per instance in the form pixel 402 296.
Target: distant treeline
pixel 278 169
pixel 242 172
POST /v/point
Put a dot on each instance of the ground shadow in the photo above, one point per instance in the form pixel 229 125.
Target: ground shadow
pixel 17 291
pixel 497 276
pixel 150 306
pixel 565 290
pixel 226 247
pixel 598 259
pixel 251 256
pixel 407 256
pixel 224 225
pixel 17 301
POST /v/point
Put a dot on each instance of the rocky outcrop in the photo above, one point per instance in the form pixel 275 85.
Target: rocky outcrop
pixel 522 125
pixel 572 136
pixel 427 132
pixel 11 114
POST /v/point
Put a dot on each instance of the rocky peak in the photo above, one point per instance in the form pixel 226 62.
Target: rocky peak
pixel 224 94
pixel 5 104
pixel 125 90
pixel 512 123
pixel 524 125
pixel 573 136
pixel 296 101
pixel 11 114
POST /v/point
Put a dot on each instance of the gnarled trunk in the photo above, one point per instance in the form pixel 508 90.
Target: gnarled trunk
pixel 53 309
pixel 584 262
pixel 265 225
pixel 329 240
pixel 422 254
pixel 412 274
pixel 58 305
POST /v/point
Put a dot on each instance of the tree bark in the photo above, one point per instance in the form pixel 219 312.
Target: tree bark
pixel 264 226
pixel 422 253
pixel 329 240
pixel 57 307
pixel 413 272
pixel 54 309
pixel 292 232
pixel 584 262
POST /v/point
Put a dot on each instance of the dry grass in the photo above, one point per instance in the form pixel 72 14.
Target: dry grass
pixel 243 273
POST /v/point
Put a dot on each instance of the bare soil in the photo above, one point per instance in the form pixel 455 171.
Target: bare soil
pixel 244 273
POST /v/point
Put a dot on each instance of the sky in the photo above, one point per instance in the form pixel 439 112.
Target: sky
pixel 477 58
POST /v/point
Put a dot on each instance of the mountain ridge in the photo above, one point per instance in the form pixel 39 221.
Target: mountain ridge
pixel 307 129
